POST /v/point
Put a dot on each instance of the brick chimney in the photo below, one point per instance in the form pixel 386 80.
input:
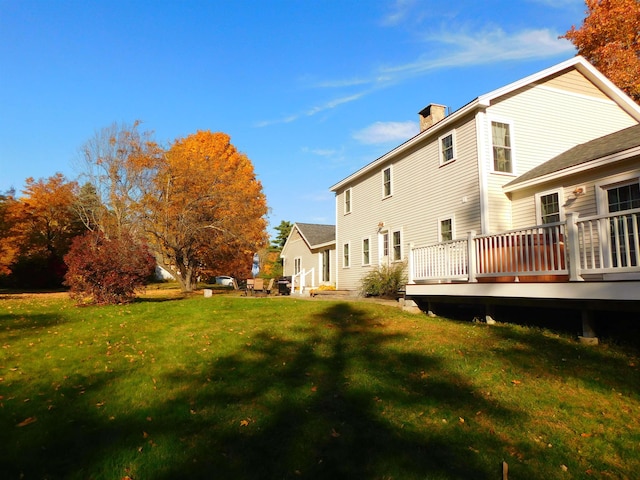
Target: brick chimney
pixel 430 115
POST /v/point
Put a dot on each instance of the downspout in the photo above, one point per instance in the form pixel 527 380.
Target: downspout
pixel 337 267
pixel 482 171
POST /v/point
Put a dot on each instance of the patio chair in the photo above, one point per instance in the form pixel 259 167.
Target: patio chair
pixel 270 286
pixel 258 284
pixel 249 287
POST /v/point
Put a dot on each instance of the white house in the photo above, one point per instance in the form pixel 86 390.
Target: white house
pixel 490 201
pixel 309 256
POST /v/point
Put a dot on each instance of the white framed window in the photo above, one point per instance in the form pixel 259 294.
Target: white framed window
pixel 387 182
pixel 616 196
pixel 346 255
pixel 447 148
pixel 297 265
pixel 502 143
pixel 549 207
pixel 366 251
pixel 347 201
pixel 396 238
pixel 446 231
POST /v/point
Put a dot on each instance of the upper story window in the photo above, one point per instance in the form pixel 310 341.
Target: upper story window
pixel 447 148
pixel 347 201
pixel 502 148
pixel 386 182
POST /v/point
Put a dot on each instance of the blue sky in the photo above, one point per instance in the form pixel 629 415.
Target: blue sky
pixel 310 90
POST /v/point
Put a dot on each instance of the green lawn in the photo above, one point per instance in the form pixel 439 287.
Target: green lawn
pixel 246 388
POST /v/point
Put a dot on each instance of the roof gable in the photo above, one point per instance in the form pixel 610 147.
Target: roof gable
pixel 315 234
pixel 579 63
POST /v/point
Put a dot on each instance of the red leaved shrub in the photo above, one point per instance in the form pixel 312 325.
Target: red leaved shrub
pixel 107 270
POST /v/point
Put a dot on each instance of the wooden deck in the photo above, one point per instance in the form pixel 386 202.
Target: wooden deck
pixel 585 263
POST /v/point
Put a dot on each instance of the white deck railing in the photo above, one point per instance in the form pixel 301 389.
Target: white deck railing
pixel 567 250
pixel 301 278
pixel 609 243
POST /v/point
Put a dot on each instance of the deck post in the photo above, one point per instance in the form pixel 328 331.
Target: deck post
pixel 471 257
pixel 490 314
pixel 410 276
pixel 588 328
pixel 573 248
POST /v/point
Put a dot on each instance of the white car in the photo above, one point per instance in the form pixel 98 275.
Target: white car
pixel 224 280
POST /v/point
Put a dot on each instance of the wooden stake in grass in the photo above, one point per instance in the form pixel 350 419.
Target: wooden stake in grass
pixel 505 471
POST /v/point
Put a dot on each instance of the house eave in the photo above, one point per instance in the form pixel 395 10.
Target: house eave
pixel 582 167
pixel 411 143
pixel 486 100
pixel 322 245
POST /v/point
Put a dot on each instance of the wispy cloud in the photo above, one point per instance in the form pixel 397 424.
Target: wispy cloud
pixel 398 12
pixel 457 49
pixel 387 132
pixel 319 196
pixel 321 152
pixel 313 110
pixel 482 48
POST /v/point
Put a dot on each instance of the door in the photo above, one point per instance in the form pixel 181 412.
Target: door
pixel 383 247
pixel 623 229
pixel 326 265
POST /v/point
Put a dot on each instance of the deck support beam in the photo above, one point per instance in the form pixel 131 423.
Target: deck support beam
pixel 490 314
pixel 588 328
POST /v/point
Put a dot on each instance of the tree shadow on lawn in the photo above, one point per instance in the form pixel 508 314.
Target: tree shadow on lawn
pixel 597 367
pixel 328 401
pixel 331 406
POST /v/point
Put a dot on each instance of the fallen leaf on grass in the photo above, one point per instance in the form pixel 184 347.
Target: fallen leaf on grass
pixel 244 423
pixel 586 435
pixel 516 382
pixel 334 434
pixel 27 421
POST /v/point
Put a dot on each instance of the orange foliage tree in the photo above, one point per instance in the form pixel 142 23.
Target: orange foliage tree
pixel 610 39
pixel 206 210
pixel 9 243
pixel 42 226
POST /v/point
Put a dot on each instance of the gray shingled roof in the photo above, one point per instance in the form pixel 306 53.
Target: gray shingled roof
pixel 585 152
pixel 316 234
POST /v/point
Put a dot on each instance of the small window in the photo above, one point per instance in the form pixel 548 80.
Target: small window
pixel 549 208
pixel 447 148
pixel 297 265
pixel 347 201
pixel 385 244
pixel 345 255
pixel 397 246
pixel 446 230
pixel 366 255
pixel 386 182
pixel 502 153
